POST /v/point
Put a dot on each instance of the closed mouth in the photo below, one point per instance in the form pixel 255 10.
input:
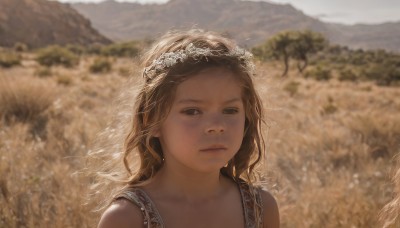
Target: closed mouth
pixel 214 148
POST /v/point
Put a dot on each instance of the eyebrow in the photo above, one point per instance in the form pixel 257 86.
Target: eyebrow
pixel 184 101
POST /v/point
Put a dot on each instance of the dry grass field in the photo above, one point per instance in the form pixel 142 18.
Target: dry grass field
pixel 331 145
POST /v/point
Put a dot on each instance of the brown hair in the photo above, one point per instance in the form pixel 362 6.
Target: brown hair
pixel 390 214
pixel 154 100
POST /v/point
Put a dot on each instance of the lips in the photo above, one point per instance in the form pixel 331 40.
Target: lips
pixel 214 148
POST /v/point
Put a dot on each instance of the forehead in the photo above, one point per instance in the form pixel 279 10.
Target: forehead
pixel 213 84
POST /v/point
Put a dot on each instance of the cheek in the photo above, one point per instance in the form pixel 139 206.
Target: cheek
pixel 179 129
pixel 238 123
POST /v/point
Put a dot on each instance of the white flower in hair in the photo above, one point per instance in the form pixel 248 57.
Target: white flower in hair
pixel 169 59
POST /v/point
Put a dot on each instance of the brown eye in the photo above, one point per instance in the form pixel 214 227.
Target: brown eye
pixel 191 111
pixel 231 111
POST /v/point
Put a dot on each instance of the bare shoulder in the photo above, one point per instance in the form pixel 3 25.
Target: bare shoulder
pixel 121 213
pixel 271 211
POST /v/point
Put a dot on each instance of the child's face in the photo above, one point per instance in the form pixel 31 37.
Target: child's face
pixel 205 126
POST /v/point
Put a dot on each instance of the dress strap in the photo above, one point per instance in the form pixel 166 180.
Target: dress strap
pixel 151 217
pixel 251 202
pixel 252 205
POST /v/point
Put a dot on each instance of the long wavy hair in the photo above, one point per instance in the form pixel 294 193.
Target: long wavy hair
pixel 390 214
pixel 140 157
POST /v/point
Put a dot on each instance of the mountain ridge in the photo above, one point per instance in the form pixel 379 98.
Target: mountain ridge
pixel 39 23
pixel 249 22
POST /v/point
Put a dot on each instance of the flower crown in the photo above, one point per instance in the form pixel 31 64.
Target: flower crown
pixel 169 59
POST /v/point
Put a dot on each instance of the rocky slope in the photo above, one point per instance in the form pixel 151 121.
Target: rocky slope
pixel 39 23
pixel 250 22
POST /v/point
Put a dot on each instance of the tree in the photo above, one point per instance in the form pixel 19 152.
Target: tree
pixel 304 44
pixel 297 45
pixel 279 47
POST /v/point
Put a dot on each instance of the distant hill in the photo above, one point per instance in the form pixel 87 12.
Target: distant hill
pixel 39 23
pixel 250 22
pixel 381 36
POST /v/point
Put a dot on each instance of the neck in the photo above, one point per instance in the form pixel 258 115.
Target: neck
pixel 190 185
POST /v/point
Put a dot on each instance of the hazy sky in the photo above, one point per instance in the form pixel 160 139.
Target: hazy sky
pixel 342 11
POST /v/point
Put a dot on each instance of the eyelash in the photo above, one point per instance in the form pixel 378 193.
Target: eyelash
pixel 191 111
pixel 231 111
pixel 195 111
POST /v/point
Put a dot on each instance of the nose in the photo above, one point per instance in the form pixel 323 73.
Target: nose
pixel 216 125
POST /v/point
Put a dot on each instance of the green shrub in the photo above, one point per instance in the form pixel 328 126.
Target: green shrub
pixel 20 47
pixel 320 73
pixel 358 58
pixel 94 49
pixel 334 49
pixel 64 80
pixel 9 59
pixel 329 108
pixel 76 49
pixel 352 65
pixel 129 49
pixel 100 65
pixel 383 74
pixel 261 53
pixel 43 72
pixel 55 55
pixel 347 75
pixel 292 88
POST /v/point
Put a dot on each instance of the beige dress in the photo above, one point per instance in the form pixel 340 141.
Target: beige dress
pixel 251 202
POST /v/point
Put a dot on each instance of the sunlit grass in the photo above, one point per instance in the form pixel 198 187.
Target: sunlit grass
pixel 328 167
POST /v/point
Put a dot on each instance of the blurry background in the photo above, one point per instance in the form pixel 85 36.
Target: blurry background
pixel 341 11
pixel 328 73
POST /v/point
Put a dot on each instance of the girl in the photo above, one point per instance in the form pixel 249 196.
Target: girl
pixel 196 129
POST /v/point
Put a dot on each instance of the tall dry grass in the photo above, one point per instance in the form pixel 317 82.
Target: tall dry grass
pixel 330 146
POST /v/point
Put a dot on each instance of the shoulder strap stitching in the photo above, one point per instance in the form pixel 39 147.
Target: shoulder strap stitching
pixel 252 204
pixel 151 217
